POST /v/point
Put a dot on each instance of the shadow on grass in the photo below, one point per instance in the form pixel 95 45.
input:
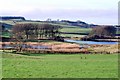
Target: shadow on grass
pixel 41 54
pixel 41 40
pixel 31 54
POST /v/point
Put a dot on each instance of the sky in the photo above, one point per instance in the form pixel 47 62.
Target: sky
pixel 90 11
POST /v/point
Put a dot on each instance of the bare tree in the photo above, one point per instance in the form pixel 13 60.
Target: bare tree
pixel 103 31
pixel 29 31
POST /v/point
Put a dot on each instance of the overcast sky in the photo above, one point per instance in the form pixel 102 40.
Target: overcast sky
pixel 90 11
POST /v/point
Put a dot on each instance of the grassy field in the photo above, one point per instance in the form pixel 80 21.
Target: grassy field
pixel 6 34
pixel 118 32
pixel 72 35
pixel 66 28
pixel 60 65
pixel 8 22
pixel 76 30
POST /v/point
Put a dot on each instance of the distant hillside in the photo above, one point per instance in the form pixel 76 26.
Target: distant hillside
pixel 73 23
pixel 71 26
pixel 76 23
pixel 5 26
pixel 11 18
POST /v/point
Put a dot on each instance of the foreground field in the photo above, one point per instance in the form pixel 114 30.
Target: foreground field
pixel 60 65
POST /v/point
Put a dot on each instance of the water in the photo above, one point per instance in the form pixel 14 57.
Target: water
pixel 7 46
pixel 89 42
pixel 39 47
pixel 27 46
pixel 66 40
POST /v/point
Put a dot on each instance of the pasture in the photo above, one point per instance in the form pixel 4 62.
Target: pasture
pixel 59 65
pixel 66 28
pixel 76 30
pixel 72 35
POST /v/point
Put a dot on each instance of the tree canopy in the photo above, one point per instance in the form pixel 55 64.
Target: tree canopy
pixel 103 31
pixel 31 31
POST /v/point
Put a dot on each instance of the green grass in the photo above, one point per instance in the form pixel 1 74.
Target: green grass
pixel 72 35
pixel 66 28
pixel 76 30
pixel 6 34
pixel 60 65
pixel 118 32
pixel 8 22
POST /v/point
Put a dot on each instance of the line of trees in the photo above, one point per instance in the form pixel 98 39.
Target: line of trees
pixel 101 32
pixel 29 31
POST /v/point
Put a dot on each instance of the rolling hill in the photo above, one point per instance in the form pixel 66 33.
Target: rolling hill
pixel 70 28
